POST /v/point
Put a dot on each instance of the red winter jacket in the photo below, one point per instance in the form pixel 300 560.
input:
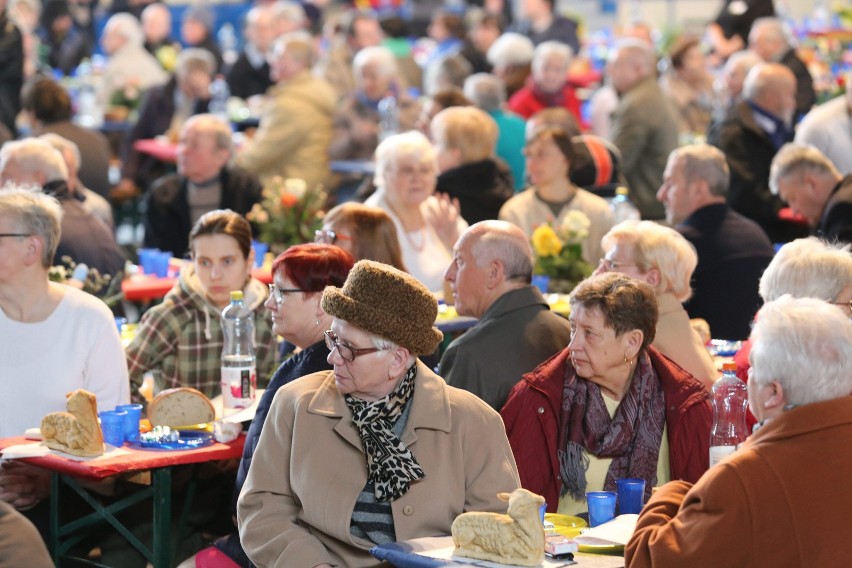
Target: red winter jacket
pixel 525 103
pixel 532 412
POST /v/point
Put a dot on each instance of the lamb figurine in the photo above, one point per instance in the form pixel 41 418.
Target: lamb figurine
pixel 514 538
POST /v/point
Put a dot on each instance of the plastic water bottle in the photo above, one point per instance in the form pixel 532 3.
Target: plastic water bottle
pixel 388 117
pixel 239 374
pixel 730 398
pixel 219 95
pixel 228 43
pixel 622 208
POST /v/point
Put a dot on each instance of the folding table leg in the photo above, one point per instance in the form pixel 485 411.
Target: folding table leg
pixel 162 517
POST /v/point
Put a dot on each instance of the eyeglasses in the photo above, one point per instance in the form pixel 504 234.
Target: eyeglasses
pixel 329 237
pixel 610 265
pixel 16 234
pixel 348 353
pixel 279 293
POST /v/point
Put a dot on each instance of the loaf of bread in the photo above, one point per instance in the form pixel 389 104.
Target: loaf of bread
pixel 76 431
pixel 180 407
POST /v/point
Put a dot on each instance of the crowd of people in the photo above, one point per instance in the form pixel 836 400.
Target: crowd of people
pixel 477 134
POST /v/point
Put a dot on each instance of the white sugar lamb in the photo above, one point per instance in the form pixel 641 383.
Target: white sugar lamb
pixel 516 537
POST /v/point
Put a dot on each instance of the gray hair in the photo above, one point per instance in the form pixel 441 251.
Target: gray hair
pixel 806 345
pixel 663 248
pixel 127 26
pixel 215 126
pixel 775 29
pixel 292 12
pixel 65 147
pixel 707 163
pixel 742 61
pixel 548 49
pixel 378 55
pixel 794 158
pixel 34 213
pixel 485 90
pixel 34 157
pixel 192 58
pixel 636 53
pixel 503 241
pixel 511 49
pixel 809 267
pixel 393 148
pixel 299 47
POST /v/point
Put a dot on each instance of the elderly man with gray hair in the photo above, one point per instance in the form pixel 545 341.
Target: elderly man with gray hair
pixel 488 93
pixel 204 181
pixel 732 250
pixel 808 181
pixel 86 239
pixel 490 278
pixel 772 502
pixel 772 41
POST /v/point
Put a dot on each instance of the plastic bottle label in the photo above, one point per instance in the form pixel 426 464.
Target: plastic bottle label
pixel 239 387
pixel 717 453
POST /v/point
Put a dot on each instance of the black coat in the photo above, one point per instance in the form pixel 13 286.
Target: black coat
pixel 245 80
pixel 11 72
pixel 167 214
pixel 481 188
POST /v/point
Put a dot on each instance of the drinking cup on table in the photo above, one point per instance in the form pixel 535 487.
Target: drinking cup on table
pixel 161 263
pixel 112 426
pixel 147 259
pixel 601 507
pixel 631 495
pixel 131 420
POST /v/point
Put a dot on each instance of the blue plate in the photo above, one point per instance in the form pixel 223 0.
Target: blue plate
pixel 189 440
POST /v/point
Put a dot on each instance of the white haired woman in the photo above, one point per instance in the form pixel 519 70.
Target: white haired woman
pixel 548 85
pixel 377 450
pixel 511 56
pixel 356 122
pixel 663 258
pixel 804 268
pixel 781 499
pixel 428 225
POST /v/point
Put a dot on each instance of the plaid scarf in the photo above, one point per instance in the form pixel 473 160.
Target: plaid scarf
pixel 391 466
pixel 631 438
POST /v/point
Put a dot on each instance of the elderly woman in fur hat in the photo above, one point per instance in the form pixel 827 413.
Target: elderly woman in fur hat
pixel 379 449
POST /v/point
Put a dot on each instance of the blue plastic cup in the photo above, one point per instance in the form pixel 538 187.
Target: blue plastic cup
pixel 112 426
pixel 131 420
pixel 147 259
pixel 601 507
pixel 631 495
pixel 542 509
pixel 260 250
pixel 120 322
pixel 161 263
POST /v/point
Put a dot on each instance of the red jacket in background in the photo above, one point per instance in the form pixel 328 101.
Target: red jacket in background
pixel 532 413
pixel 525 103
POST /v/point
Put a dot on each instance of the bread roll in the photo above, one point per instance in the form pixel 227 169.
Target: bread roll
pixel 180 407
pixel 77 431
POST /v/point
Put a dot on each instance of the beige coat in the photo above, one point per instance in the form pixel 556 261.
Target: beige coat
pixel 295 132
pixel 676 339
pixel 309 467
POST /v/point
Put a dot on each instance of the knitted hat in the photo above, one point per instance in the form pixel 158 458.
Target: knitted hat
pixel 389 303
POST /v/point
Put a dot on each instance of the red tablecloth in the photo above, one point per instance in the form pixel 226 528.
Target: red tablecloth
pixel 136 460
pixel 146 288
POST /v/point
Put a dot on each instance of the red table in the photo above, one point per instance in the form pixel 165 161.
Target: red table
pixel 147 288
pixel 66 472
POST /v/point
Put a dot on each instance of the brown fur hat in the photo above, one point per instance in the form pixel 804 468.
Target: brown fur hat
pixel 389 303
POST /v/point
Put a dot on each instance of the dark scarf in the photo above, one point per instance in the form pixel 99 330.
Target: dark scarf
pixel 391 466
pixel 631 438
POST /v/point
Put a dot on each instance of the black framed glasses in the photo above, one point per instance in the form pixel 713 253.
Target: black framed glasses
pixel 329 237
pixel 16 234
pixel 347 352
pixel 278 293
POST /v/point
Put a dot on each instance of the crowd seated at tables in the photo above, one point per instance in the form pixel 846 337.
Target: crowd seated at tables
pixel 494 114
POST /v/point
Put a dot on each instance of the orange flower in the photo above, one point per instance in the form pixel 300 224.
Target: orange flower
pixel 288 200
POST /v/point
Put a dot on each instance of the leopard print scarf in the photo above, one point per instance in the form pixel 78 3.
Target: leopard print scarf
pixel 391 466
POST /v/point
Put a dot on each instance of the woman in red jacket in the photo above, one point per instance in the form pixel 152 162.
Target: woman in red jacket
pixel 609 406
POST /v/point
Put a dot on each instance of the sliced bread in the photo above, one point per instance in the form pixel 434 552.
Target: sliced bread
pixel 180 407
